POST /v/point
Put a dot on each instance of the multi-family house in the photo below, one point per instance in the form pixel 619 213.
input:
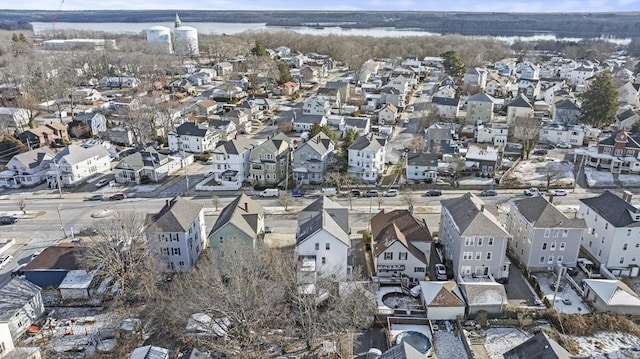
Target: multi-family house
pixel 612 237
pixel 241 119
pixel 628 95
pixel 20 306
pixel 119 82
pixel 566 112
pixel 146 165
pixel 473 238
pixel 270 161
pixel 323 235
pixel 305 122
pixel 331 95
pixel 199 78
pixel 492 133
pixel 253 109
pixel 223 69
pixel 205 107
pixel 27 169
pixel 579 76
pixel 223 130
pixel 241 220
pixel 387 114
pixel 362 125
pixel 475 77
pixel 96 122
pixel 191 137
pixel 542 236
pixel 487 157
pixel 177 234
pixel 556 133
pixel 14 119
pixel 479 109
pixel 618 153
pixel 75 164
pixel 316 106
pixel 438 132
pixel 422 167
pixel 446 107
pixel 401 246
pixel 626 119
pixel 519 107
pixel 287 89
pixel 343 86
pixel 230 160
pixel 366 158
pixel 45 135
pixel 311 159
pixel 393 96
pixel 400 83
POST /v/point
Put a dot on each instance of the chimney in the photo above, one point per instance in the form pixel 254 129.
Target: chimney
pixel 246 206
pixel 166 202
pixel 627 196
pixel 482 208
pixel 317 139
pixel 550 198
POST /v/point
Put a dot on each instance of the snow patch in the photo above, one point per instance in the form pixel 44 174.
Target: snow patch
pixel 609 345
pixel 448 345
pixel 597 178
pixel 501 340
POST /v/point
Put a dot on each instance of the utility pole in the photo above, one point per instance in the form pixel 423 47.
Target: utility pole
pixel 286 181
pixel 58 179
pixel 561 270
pixel 64 233
pixel 186 174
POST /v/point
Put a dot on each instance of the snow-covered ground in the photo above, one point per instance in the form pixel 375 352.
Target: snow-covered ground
pixel 629 180
pixel 534 173
pixel 448 345
pixel 608 345
pixel 382 308
pixel 145 188
pixel 546 282
pixel 597 178
pixel 500 340
pixel 476 181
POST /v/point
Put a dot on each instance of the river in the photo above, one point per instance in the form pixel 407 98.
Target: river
pixel 236 28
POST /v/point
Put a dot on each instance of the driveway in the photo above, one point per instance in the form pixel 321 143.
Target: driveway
pixel 518 290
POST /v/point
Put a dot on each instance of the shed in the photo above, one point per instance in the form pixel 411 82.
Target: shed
pixel 150 352
pixel 612 296
pixel 20 305
pixel 50 267
pixel 489 296
pixel 443 300
pixel 75 284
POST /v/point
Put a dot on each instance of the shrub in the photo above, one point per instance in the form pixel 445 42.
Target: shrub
pixel 366 236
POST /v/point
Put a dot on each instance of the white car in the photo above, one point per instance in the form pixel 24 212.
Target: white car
pixel 533 191
pixel 563 145
pixel 390 193
pixel 441 272
pixel 410 109
pixel 558 192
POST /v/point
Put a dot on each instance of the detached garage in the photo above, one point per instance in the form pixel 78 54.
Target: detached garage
pixel 76 285
pixel 443 300
pixel 52 265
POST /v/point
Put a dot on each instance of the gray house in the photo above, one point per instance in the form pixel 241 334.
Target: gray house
pixel 242 219
pixel 20 305
pixel 566 112
pixel 473 238
pixel 311 159
pixel 542 235
pixel 96 122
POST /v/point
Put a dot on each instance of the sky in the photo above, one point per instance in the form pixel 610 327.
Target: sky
pixel 372 5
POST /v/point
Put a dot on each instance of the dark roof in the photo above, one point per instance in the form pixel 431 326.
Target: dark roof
pixel 539 346
pixel 626 114
pixel 566 105
pixel 632 140
pixel 55 257
pixel 398 225
pixel 306 118
pixel 446 101
pixel 480 97
pixel 235 213
pixel 543 214
pixel 520 101
pixel 422 159
pixel 86 117
pixel 336 84
pixel 613 209
pixel 358 122
pixel 472 216
pixel 328 91
pixel 363 142
pixel 147 158
pixel 324 203
pixel 177 216
pixel 190 129
pixel 236 146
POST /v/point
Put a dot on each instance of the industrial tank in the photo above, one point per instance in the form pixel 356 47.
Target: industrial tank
pixel 186 38
pixel 159 38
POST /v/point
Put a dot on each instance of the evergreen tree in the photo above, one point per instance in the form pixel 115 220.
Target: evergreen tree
pixel 285 74
pixel 316 129
pixel 599 101
pixel 453 63
pixel 260 49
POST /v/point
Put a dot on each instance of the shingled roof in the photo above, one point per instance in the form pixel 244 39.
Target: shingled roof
pixel 543 214
pixel 243 213
pixel 613 209
pixel 177 216
pixel 472 217
pixel 539 346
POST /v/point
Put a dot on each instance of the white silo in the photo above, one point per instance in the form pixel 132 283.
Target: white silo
pixel 159 38
pixel 186 40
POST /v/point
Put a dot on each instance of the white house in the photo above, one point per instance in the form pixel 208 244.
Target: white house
pixel 613 231
pixel 146 165
pixel 121 135
pixel 316 106
pixel 492 133
pixel 27 169
pixel 96 122
pixel 578 76
pixel 400 83
pixel 446 107
pixel 306 122
pixel 177 234
pixel 555 133
pixel 190 137
pixel 392 95
pixel 628 94
pixel 20 306
pixel 75 164
pixel 366 158
pixel 14 119
pixel 487 157
pixel 566 112
pixel 422 167
pixel 119 82
pixel 442 300
pixel 607 295
pixel 473 238
pixel 230 160
pixel 519 107
pixel 479 108
pixel 626 119
pixel 323 234
pixel 387 114
pixel 362 125
pixel 475 77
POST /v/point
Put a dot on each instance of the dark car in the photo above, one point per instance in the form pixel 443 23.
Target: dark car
pixel 8 220
pixel 371 193
pixel 540 152
pixel 118 196
pixel 355 193
pixel 433 193
pixel 297 193
pixel 95 197
pixel 488 193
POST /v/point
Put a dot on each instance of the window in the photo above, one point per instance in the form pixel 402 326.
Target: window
pixel 489 256
pixel 467 255
pixel 468 241
pixel 628 232
pixel 388 255
pixel 547 233
pixel 606 225
pixel 418 269
pixel 560 259
pixel 221 240
pixel 553 246
pixel 565 233
pixel 478 256
pixel 324 260
pixel 317 246
pixel 624 247
pixel 181 263
pixel 479 241
pixel 621 260
pixel 175 251
pixel 327 246
pixel 563 245
pixel 544 246
pixel 491 241
pixel 402 256
pixel 541 259
pixel 550 260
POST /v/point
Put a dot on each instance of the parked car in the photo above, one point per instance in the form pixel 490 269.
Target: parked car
pixel 4 260
pixel 118 196
pixel 433 193
pixel 270 192
pixel 558 192
pixel 371 193
pixel 540 152
pixel 103 182
pixel 410 109
pixel 533 191
pixel 563 145
pixel 297 193
pixel 488 193
pixel 8 220
pixel 95 197
pixel 268 229
pixel 392 192
pixel 355 193
pixel 441 272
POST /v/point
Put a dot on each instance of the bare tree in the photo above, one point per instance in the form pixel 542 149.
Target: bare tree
pixel 22 204
pixel 526 130
pixel 215 201
pixel 416 144
pixel 285 200
pixel 408 199
pixel 380 200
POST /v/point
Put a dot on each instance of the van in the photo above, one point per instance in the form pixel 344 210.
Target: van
pixel 329 191
pixel 270 192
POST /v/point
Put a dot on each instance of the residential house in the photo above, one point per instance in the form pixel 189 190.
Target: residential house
pixel 146 165
pixel 230 160
pixel 205 107
pixel 177 234
pixel 612 296
pixel 309 74
pixel 45 135
pixel 27 169
pixel 393 96
pixel 331 95
pixel 223 130
pixel 540 346
pixel 448 91
pixel 75 164
pixel 476 77
pixel 238 80
pixel 623 75
pixel 311 159
pixel 150 352
pixel 387 114
pixel 628 95
pixel 199 78
pixel 305 122
pixel 240 220
pixel 9 351
pixel 367 158
pixel 566 112
pixel 252 109
pixel 479 109
pixel 483 295
pixel 269 161
pixel 487 158
pixel 579 76
pixel 286 89
pixel 343 86
pixel 336 122
pixel 422 167
pixel 241 119
pixel 362 125
pixel 626 119
pixel 191 137
pixel 14 119
pixel 84 96
pixel 316 106
pixel 617 153
pixel 122 135
pixel 529 88
pixel 323 235
pixel 438 132
pixel 442 300
pixel 492 133
pixel 20 306
pixel 473 238
pixel 555 133
pixel 519 107
pixel 612 238
pixel 119 82
pixel 543 236
pixel 223 69
pixel 446 107
pixel 96 122
pixel 401 246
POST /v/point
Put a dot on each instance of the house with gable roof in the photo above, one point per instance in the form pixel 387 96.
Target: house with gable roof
pixel 177 234
pixel 230 160
pixel 401 246
pixel 629 95
pixel 316 106
pixel 473 238
pixel 362 125
pixel 387 114
pixel 241 220
pixel 446 107
pixel 14 119
pixel 617 153
pixel 20 306
pixel 27 169
pixel 422 167
pixel 145 165
pixel 311 159
pixel 543 236
pixel 519 107
pixel 442 300
pixel 579 76
pixel 479 109
pixel 540 346
pixel 626 119
pixel 45 135
pixel 75 164
pixel 487 158
pixel 323 235
pixel 192 137
pixel 366 158
pixel 392 95
pixel 96 122
pixel 483 294
pixel 566 112
pixel 240 118
pixel 150 352
pixel 305 122
pixel 268 161
pixel 612 296
pixel 612 237
pixel 475 76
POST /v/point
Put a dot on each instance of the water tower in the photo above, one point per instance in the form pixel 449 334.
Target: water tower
pixel 186 40
pixel 159 38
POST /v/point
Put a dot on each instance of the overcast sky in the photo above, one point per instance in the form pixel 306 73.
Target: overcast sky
pixel 379 5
